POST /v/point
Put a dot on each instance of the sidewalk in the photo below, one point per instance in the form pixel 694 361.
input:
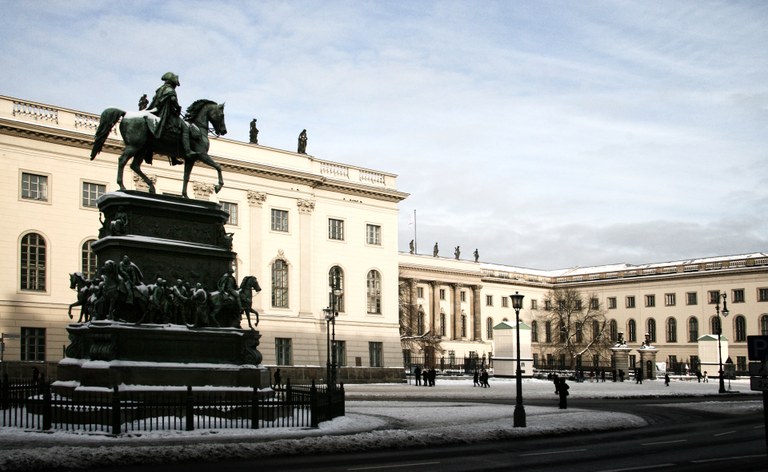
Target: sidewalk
pixel 378 415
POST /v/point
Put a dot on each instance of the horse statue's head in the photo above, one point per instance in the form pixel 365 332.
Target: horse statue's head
pixel 203 111
pixel 250 283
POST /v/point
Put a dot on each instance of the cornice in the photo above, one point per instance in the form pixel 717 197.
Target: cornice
pixel 80 140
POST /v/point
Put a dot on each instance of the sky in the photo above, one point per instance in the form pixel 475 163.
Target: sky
pixel 376 418
pixel 546 134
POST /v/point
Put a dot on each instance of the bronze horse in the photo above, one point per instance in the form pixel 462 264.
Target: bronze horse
pixel 140 143
pixel 223 305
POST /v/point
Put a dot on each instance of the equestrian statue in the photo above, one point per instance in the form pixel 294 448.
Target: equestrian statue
pixel 161 129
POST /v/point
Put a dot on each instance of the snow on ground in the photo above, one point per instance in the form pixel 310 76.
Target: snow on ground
pixel 377 417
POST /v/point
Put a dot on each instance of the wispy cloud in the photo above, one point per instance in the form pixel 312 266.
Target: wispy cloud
pixel 546 134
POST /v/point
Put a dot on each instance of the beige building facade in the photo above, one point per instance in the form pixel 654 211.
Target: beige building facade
pixel 673 302
pixel 295 219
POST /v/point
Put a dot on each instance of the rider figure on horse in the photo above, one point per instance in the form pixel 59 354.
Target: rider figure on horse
pixel 165 105
pixel 227 286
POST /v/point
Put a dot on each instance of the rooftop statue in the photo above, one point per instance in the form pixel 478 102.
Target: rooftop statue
pixel 302 142
pixel 161 129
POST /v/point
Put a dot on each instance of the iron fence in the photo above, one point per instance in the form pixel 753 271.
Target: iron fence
pixel 36 406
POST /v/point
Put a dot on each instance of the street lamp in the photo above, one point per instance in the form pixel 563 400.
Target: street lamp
pixel 519 414
pixel 330 328
pixel 719 335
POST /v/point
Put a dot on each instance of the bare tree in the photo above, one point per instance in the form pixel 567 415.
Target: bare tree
pixel 575 327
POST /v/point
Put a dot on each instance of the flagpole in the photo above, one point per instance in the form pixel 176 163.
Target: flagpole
pixel 415 243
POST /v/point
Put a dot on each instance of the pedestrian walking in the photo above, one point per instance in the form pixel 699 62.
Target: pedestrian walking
pixel 476 379
pixel 666 379
pixel 278 379
pixel 562 392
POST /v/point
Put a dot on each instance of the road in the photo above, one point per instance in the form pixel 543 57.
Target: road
pixel 676 439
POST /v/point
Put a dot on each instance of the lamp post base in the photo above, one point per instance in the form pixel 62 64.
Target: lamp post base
pixel 518 417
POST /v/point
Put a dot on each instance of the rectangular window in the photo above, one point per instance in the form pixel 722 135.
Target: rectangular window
pixel 283 351
pixel 489 300
pixel 376 352
pixel 611 303
pixel 463 296
pixel 335 229
pixel 670 299
pixel 594 303
pixel 420 292
pixel 650 300
pixel 231 209
pixel 630 301
pixel 34 187
pixel 691 298
pixel 442 294
pixel 762 294
pixel 714 297
pixel 340 353
pixel 504 302
pixel 373 235
pixel 738 295
pixel 91 193
pixel 534 304
pixel 280 220
pixel 33 344
pixel 548 305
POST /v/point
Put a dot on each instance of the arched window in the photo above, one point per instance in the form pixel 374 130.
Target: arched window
pixel 764 325
pixel 89 264
pixel 374 292
pixel 631 331
pixel 547 331
pixel 489 328
pixel 693 330
pixel 33 262
pixel 671 330
pixel 463 324
pixel 715 324
pixel 614 328
pixel 336 282
pixel 280 284
pixel 651 325
pixel 534 331
pixel 740 328
pixel 595 330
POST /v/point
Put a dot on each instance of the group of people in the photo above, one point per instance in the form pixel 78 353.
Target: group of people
pixel 481 379
pixel 425 376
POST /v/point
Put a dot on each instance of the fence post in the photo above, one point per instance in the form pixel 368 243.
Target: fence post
pixel 4 391
pixel 255 407
pixel 47 407
pixel 342 402
pixel 313 413
pixel 190 410
pixel 116 411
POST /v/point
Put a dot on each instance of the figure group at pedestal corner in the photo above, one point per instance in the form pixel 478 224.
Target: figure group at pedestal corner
pixel 118 293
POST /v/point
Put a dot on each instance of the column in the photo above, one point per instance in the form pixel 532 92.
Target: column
pixel 306 207
pixel 477 324
pixel 434 306
pixel 456 311
pixel 255 203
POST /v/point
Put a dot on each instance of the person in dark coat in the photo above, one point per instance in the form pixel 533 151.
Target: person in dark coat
pixel 425 377
pixel 476 379
pixel 562 392
pixel 278 379
pixel 417 375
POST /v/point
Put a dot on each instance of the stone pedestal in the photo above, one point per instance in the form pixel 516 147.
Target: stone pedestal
pixel 168 237
pixel 621 358
pixel 648 361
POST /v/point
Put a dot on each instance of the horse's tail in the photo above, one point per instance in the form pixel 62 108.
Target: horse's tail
pixel 109 118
